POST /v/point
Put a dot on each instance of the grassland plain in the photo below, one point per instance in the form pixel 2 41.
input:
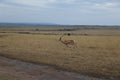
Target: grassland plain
pixel 96 55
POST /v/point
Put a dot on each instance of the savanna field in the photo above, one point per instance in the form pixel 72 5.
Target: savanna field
pixel 95 54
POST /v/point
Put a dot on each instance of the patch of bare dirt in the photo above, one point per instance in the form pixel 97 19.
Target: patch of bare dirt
pixel 29 71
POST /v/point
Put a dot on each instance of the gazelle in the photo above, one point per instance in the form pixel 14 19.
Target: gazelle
pixel 68 42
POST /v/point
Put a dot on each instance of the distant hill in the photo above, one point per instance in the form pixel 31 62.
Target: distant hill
pixel 28 24
pixel 57 25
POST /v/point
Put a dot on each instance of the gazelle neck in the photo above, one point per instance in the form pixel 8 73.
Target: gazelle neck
pixel 60 39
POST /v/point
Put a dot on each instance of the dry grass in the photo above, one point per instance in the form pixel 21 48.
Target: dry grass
pixel 8 77
pixel 98 55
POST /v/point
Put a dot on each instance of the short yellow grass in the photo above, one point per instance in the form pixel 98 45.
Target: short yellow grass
pixel 98 55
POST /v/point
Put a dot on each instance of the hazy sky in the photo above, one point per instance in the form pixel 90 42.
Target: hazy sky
pixel 83 12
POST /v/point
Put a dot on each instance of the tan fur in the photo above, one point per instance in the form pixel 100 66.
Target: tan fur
pixel 68 42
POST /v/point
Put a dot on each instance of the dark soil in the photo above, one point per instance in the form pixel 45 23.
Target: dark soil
pixel 29 71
